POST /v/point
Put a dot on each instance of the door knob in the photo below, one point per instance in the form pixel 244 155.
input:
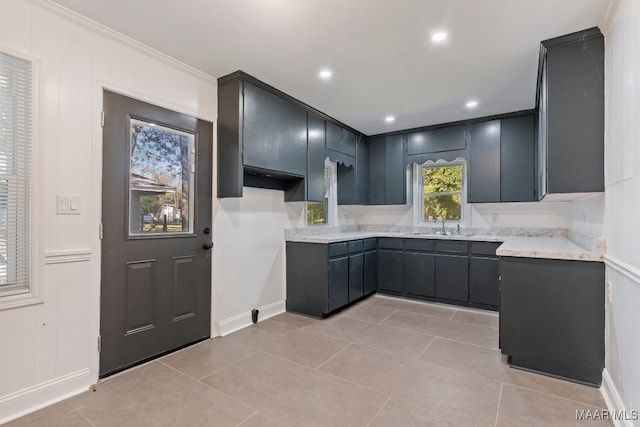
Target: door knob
pixel 207 245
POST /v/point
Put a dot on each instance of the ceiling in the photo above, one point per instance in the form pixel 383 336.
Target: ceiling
pixel 380 52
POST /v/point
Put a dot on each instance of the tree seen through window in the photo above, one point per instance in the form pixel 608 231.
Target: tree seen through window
pixel 442 192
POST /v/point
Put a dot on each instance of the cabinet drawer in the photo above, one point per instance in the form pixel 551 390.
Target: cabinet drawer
pixel 370 244
pixel 418 245
pixel 337 249
pixel 454 247
pixel 355 246
pixel 484 248
pixel 390 243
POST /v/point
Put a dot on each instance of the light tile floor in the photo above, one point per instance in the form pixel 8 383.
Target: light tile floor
pixel 383 362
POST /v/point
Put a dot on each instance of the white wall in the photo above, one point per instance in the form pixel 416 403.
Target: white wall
pixel 249 256
pixel 49 350
pixel 622 205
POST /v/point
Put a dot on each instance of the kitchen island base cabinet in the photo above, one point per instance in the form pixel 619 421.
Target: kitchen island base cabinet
pixel 552 317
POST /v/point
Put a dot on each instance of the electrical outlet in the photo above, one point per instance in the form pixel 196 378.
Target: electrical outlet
pixel 495 218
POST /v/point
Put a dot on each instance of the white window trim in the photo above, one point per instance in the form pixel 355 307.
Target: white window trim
pixel 332 199
pixel 419 199
pixel 34 294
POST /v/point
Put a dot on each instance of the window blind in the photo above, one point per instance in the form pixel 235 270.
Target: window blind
pixel 15 160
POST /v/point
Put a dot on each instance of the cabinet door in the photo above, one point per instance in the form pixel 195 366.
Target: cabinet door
pixel 334 137
pixel 434 140
pixel 356 276
pixel 484 163
pixel 370 272
pixel 575 116
pixel 394 171
pixel 346 184
pixel 484 281
pixel 419 274
pixel 376 171
pixel 275 132
pixel 452 277
pixel 348 143
pixel 362 172
pixel 316 156
pixel 390 270
pixel 517 154
pixel 338 282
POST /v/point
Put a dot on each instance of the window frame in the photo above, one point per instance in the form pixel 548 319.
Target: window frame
pixel 331 197
pixel 33 292
pixel 419 191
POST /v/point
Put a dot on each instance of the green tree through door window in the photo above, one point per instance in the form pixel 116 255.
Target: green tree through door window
pixel 442 192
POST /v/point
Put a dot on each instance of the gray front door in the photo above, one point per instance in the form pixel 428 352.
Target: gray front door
pixel 156 222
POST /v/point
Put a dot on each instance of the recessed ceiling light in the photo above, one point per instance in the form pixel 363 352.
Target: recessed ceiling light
pixel 438 37
pixel 389 119
pixel 325 74
pixel 471 104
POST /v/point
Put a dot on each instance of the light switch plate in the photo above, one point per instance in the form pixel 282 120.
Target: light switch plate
pixel 68 204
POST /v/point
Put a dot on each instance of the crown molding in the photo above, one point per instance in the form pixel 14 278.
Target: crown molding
pixel 109 33
pixel 607 17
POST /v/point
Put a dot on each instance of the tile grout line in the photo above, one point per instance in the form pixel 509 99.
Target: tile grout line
pixel 426 348
pixel 499 400
pixel 250 416
pixel 379 411
pixel 332 357
pixel 213 388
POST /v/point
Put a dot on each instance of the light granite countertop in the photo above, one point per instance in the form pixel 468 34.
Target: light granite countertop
pixel 521 243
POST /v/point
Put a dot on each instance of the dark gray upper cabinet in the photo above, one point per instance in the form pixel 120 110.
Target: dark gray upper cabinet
pixel 517 159
pixel 484 163
pixel 316 156
pixel 376 171
pixel 571 113
pixel 435 140
pixel 340 139
pixel 275 132
pixel 353 180
pixel 502 158
pixel 387 172
pixel 362 171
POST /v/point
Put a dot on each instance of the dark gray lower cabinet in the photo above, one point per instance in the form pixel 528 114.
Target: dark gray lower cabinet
pixel 452 277
pixel 356 276
pixel 338 282
pixel 370 265
pixel 390 270
pixel 484 274
pixel 322 278
pixel 552 317
pixel 419 274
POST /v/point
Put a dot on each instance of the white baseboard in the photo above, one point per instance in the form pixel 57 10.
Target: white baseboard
pixel 243 320
pixel 614 401
pixel 31 399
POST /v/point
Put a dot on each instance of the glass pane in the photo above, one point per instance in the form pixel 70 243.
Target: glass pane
pixel 442 179
pixel 317 213
pixel 161 180
pixel 448 206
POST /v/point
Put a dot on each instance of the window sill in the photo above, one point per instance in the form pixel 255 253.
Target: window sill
pixel 19 300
